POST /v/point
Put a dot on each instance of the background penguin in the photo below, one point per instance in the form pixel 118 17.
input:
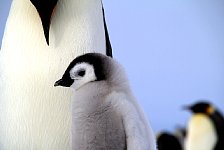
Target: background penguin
pixel 168 141
pixel 31 110
pixel 105 114
pixel 205 128
pixel 180 133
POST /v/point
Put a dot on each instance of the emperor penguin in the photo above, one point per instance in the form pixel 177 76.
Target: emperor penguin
pixel 206 128
pixel 168 141
pixel 40 39
pixel 105 114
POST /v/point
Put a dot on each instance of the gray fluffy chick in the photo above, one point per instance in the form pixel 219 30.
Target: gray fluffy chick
pixel 105 114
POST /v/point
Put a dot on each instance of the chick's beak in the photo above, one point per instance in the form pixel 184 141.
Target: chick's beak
pixel 45 9
pixel 64 82
pixel 59 83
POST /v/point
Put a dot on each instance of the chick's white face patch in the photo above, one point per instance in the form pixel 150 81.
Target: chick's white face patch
pixel 82 73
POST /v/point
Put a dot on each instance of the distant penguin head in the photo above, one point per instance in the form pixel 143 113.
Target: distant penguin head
pixel 87 68
pixel 201 107
pixel 166 140
pixel 45 9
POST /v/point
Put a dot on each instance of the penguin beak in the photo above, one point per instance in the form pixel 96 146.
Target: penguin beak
pixel 64 82
pixel 60 82
pixel 45 9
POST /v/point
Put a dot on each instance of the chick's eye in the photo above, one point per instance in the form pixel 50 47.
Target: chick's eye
pixel 81 73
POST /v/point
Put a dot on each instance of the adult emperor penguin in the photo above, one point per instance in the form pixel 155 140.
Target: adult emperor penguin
pixel 168 141
pixel 32 114
pixel 205 128
pixel 105 114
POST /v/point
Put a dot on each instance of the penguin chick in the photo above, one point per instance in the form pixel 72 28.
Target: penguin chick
pixel 105 114
pixel 167 141
pixel 205 128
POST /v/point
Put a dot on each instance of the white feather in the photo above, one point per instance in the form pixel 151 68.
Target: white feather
pixel 201 133
pixel 33 113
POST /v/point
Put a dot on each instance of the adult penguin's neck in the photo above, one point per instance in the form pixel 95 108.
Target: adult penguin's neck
pixel 76 25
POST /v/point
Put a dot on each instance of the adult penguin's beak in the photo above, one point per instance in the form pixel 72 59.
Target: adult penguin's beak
pixel 45 9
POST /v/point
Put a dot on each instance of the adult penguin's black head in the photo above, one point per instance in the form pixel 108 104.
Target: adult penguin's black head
pixel 45 9
pixel 201 107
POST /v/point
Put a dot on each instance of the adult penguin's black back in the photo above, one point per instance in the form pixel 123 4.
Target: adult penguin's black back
pixel 218 120
pixel 107 38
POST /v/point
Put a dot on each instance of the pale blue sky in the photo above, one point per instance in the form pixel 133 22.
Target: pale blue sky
pixel 173 52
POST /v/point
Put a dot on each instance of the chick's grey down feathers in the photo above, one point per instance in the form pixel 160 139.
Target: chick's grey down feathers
pixel 105 114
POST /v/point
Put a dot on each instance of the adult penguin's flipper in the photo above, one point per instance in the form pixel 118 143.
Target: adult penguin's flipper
pixel 107 38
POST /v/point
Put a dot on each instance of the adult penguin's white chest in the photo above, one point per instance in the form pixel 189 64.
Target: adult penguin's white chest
pixel 201 133
pixel 34 114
